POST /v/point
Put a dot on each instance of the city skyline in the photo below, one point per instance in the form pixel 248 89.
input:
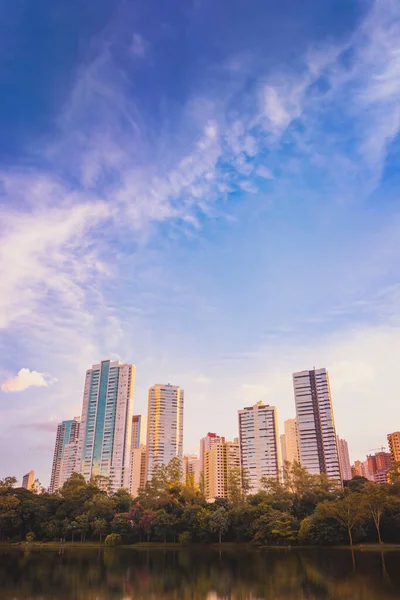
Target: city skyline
pixel 209 194
pixel 165 402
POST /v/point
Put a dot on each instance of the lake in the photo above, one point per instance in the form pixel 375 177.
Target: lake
pixel 198 574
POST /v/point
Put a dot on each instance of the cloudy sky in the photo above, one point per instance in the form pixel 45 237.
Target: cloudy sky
pixel 209 190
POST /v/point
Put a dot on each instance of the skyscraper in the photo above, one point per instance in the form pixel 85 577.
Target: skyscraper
pixel 206 443
pixel 219 461
pixel 378 465
pixel 138 435
pixel 137 469
pixel 105 432
pixel 28 480
pixel 292 440
pixel 283 448
pixel 316 423
pixel 65 453
pixel 164 425
pixel 394 446
pixel 344 459
pixel 259 445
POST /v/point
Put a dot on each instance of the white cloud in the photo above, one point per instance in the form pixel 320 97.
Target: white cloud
pixel 26 379
pixel 264 172
pixel 46 252
pixel 139 45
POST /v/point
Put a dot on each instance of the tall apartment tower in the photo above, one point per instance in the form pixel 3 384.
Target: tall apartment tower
pixel 28 480
pixel 206 443
pixel 137 467
pixel 137 470
pixel 378 465
pixel 259 444
pixel 65 453
pixel 105 432
pixel 394 446
pixel 164 425
pixel 283 448
pixel 219 461
pixel 344 459
pixel 291 441
pixel 138 435
pixel 316 423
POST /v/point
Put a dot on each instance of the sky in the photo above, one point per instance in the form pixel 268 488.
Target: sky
pixel 209 190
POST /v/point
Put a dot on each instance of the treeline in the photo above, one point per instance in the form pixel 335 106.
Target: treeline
pixel 305 510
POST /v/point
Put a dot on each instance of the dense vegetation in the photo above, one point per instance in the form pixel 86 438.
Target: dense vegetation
pixel 306 509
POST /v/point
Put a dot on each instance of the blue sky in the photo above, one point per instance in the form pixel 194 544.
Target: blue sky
pixel 209 192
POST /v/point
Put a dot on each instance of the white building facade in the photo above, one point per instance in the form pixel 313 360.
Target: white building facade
pixel 259 444
pixel 65 453
pixel 316 423
pixel 106 423
pixel 292 450
pixel 344 459
pixel 164 426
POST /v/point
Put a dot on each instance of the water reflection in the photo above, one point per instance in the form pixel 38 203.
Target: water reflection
pixel 198 574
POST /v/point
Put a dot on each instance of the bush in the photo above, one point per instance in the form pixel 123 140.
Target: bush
pixel 113 539
pixel 30 537
pixel 185 537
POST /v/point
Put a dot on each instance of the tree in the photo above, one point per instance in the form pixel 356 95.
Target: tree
pixel 99 527
pixel 356 484
pixel 7 483
pixel 100 506
pixel 219 522
pixel 83 525
pixel 8 513
pixel 393 475
pixel 376 500
pixel 122 500
pixel 162 524
pixel 348 511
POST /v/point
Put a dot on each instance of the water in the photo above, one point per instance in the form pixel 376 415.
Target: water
pixel 198 574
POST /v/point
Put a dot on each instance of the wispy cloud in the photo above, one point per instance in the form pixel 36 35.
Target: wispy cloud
pixel 139 45
pixel 26 379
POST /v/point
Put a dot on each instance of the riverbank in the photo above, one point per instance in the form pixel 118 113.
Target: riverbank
pixel 176 546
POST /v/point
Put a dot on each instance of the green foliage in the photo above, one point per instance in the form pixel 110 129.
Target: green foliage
pixel 348 512
pixel 185 537
pixel 219 522
pixel 302 508
pixel 30 537
pixel 112 540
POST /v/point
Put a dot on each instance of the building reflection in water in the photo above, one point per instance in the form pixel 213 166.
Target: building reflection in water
pixel 198 574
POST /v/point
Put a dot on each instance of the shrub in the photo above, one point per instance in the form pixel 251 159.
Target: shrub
pixel 113 539
pixel 185 537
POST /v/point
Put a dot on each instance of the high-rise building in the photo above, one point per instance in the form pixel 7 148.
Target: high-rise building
pixel 28 480
pixel 138 436
pixel 191 470
pixel 344 459
pixel 360 469
pixel 65 453
pixel 219 461
pixel 164 425
pixel 316 423
pixel 378 465
pixel 259 445
pixel 291 441
pixel 394 446
pixel 105 432
pixel 137 470
pixel 283 448
pixel 206 443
